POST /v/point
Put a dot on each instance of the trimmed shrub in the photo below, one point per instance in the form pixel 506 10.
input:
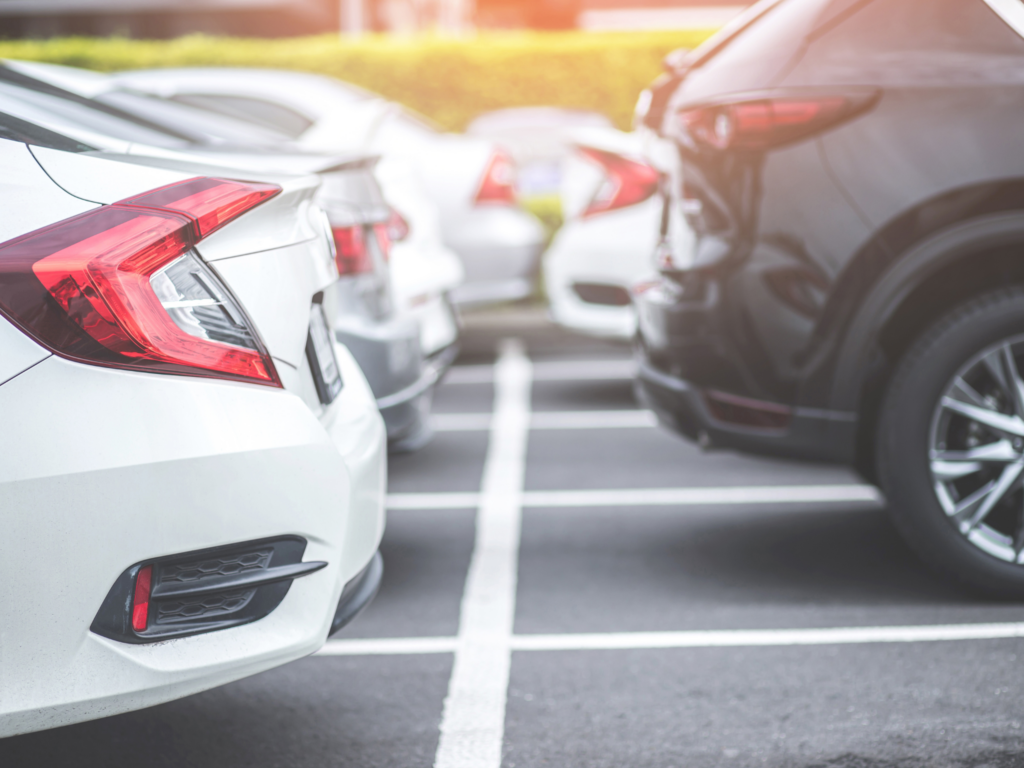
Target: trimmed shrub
pixel 450 80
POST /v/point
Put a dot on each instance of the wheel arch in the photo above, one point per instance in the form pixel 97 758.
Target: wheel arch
pixel 979 251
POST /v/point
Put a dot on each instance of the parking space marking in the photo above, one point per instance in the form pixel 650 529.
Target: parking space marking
pixel 554 370
pixel 724 638
pixel 389 646
pixel 641 497
pixel 480 422
pixel 473 723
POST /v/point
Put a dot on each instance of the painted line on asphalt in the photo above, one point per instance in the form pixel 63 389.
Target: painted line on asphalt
pixel 554 370
pixel 728 638
pixel 481 422
pixel 644 497
pixel 473 722
pixel 389 646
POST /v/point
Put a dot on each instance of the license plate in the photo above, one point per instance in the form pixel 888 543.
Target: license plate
pixel 322 362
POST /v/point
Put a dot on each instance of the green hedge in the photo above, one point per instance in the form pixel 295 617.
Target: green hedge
pixel 448 79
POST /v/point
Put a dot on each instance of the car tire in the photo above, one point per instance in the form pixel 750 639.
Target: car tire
pixel 919 428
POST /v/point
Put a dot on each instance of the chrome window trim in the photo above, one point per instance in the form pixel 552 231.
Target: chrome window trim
pixel 1010 11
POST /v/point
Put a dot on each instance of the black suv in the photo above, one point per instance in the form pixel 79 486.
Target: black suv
pixel 853 173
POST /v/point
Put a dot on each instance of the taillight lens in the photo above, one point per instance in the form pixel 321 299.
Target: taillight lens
pixel 759 124
pixel 498 185
pixel 353 255
pixel 121 286
pixel 627 182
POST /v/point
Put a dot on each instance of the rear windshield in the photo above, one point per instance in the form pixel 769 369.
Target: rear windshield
pixel 757 51
pixel 80 114
pixel 950 27
pixel 16 129
pixel 200 125
pixel 264 113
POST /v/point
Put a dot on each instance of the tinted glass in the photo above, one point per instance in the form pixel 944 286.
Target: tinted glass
pixel 16 129
pixel 757 55
pixel 74 114
pixel 951 26
pixel 264 113
pixel 200 125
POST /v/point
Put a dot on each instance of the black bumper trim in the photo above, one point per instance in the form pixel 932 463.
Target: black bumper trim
pixel 205 590
pixel 358 593
pixel 812 435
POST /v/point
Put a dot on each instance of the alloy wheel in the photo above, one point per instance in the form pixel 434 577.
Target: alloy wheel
pixel 976 451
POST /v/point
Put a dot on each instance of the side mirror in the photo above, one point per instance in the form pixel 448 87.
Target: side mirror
pixel 676 60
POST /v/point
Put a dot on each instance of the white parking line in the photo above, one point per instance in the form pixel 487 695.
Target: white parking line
pixel 480 422
pixel 473 723
pixel 640 497
pixel 389 646
pixel 727 638
pixel 555 370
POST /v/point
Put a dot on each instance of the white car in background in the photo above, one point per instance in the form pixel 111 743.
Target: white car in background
pixel 471 181
pixel 612 209
pixel 192 472
pixel 395 318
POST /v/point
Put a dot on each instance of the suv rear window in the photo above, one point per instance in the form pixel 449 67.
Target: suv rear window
pixel 755 52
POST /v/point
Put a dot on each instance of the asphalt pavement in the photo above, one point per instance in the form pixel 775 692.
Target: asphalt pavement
pixel 586 589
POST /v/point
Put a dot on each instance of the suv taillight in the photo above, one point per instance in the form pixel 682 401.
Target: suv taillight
pixel 763 123
pixel 627 182
pixel 498 185
pixel 121 286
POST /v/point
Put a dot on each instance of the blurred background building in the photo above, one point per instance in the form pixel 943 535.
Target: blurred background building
pixel 279 18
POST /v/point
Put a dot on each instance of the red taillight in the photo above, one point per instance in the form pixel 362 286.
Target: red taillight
pixel 759 124
pixel 140 599
pixel 499 182
pixel 120 285
pixel 398 227
pixel 210 203
pixel 627 182
pixel 353 257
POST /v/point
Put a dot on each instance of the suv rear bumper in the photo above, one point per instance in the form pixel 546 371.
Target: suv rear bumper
pixel 685 374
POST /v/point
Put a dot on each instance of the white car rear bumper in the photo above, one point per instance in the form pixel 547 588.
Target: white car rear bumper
pixel 612 250
pixel 104 468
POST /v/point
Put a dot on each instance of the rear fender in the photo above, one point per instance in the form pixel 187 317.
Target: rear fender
pixel 983 232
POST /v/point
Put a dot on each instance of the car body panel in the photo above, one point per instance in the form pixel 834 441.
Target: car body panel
pixel 105 468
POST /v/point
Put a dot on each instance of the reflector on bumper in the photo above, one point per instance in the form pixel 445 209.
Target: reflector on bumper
pixel 201 591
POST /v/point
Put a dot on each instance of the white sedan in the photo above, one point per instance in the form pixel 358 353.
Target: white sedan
pixel 192 472
pixel 378 308
pixel 471 181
